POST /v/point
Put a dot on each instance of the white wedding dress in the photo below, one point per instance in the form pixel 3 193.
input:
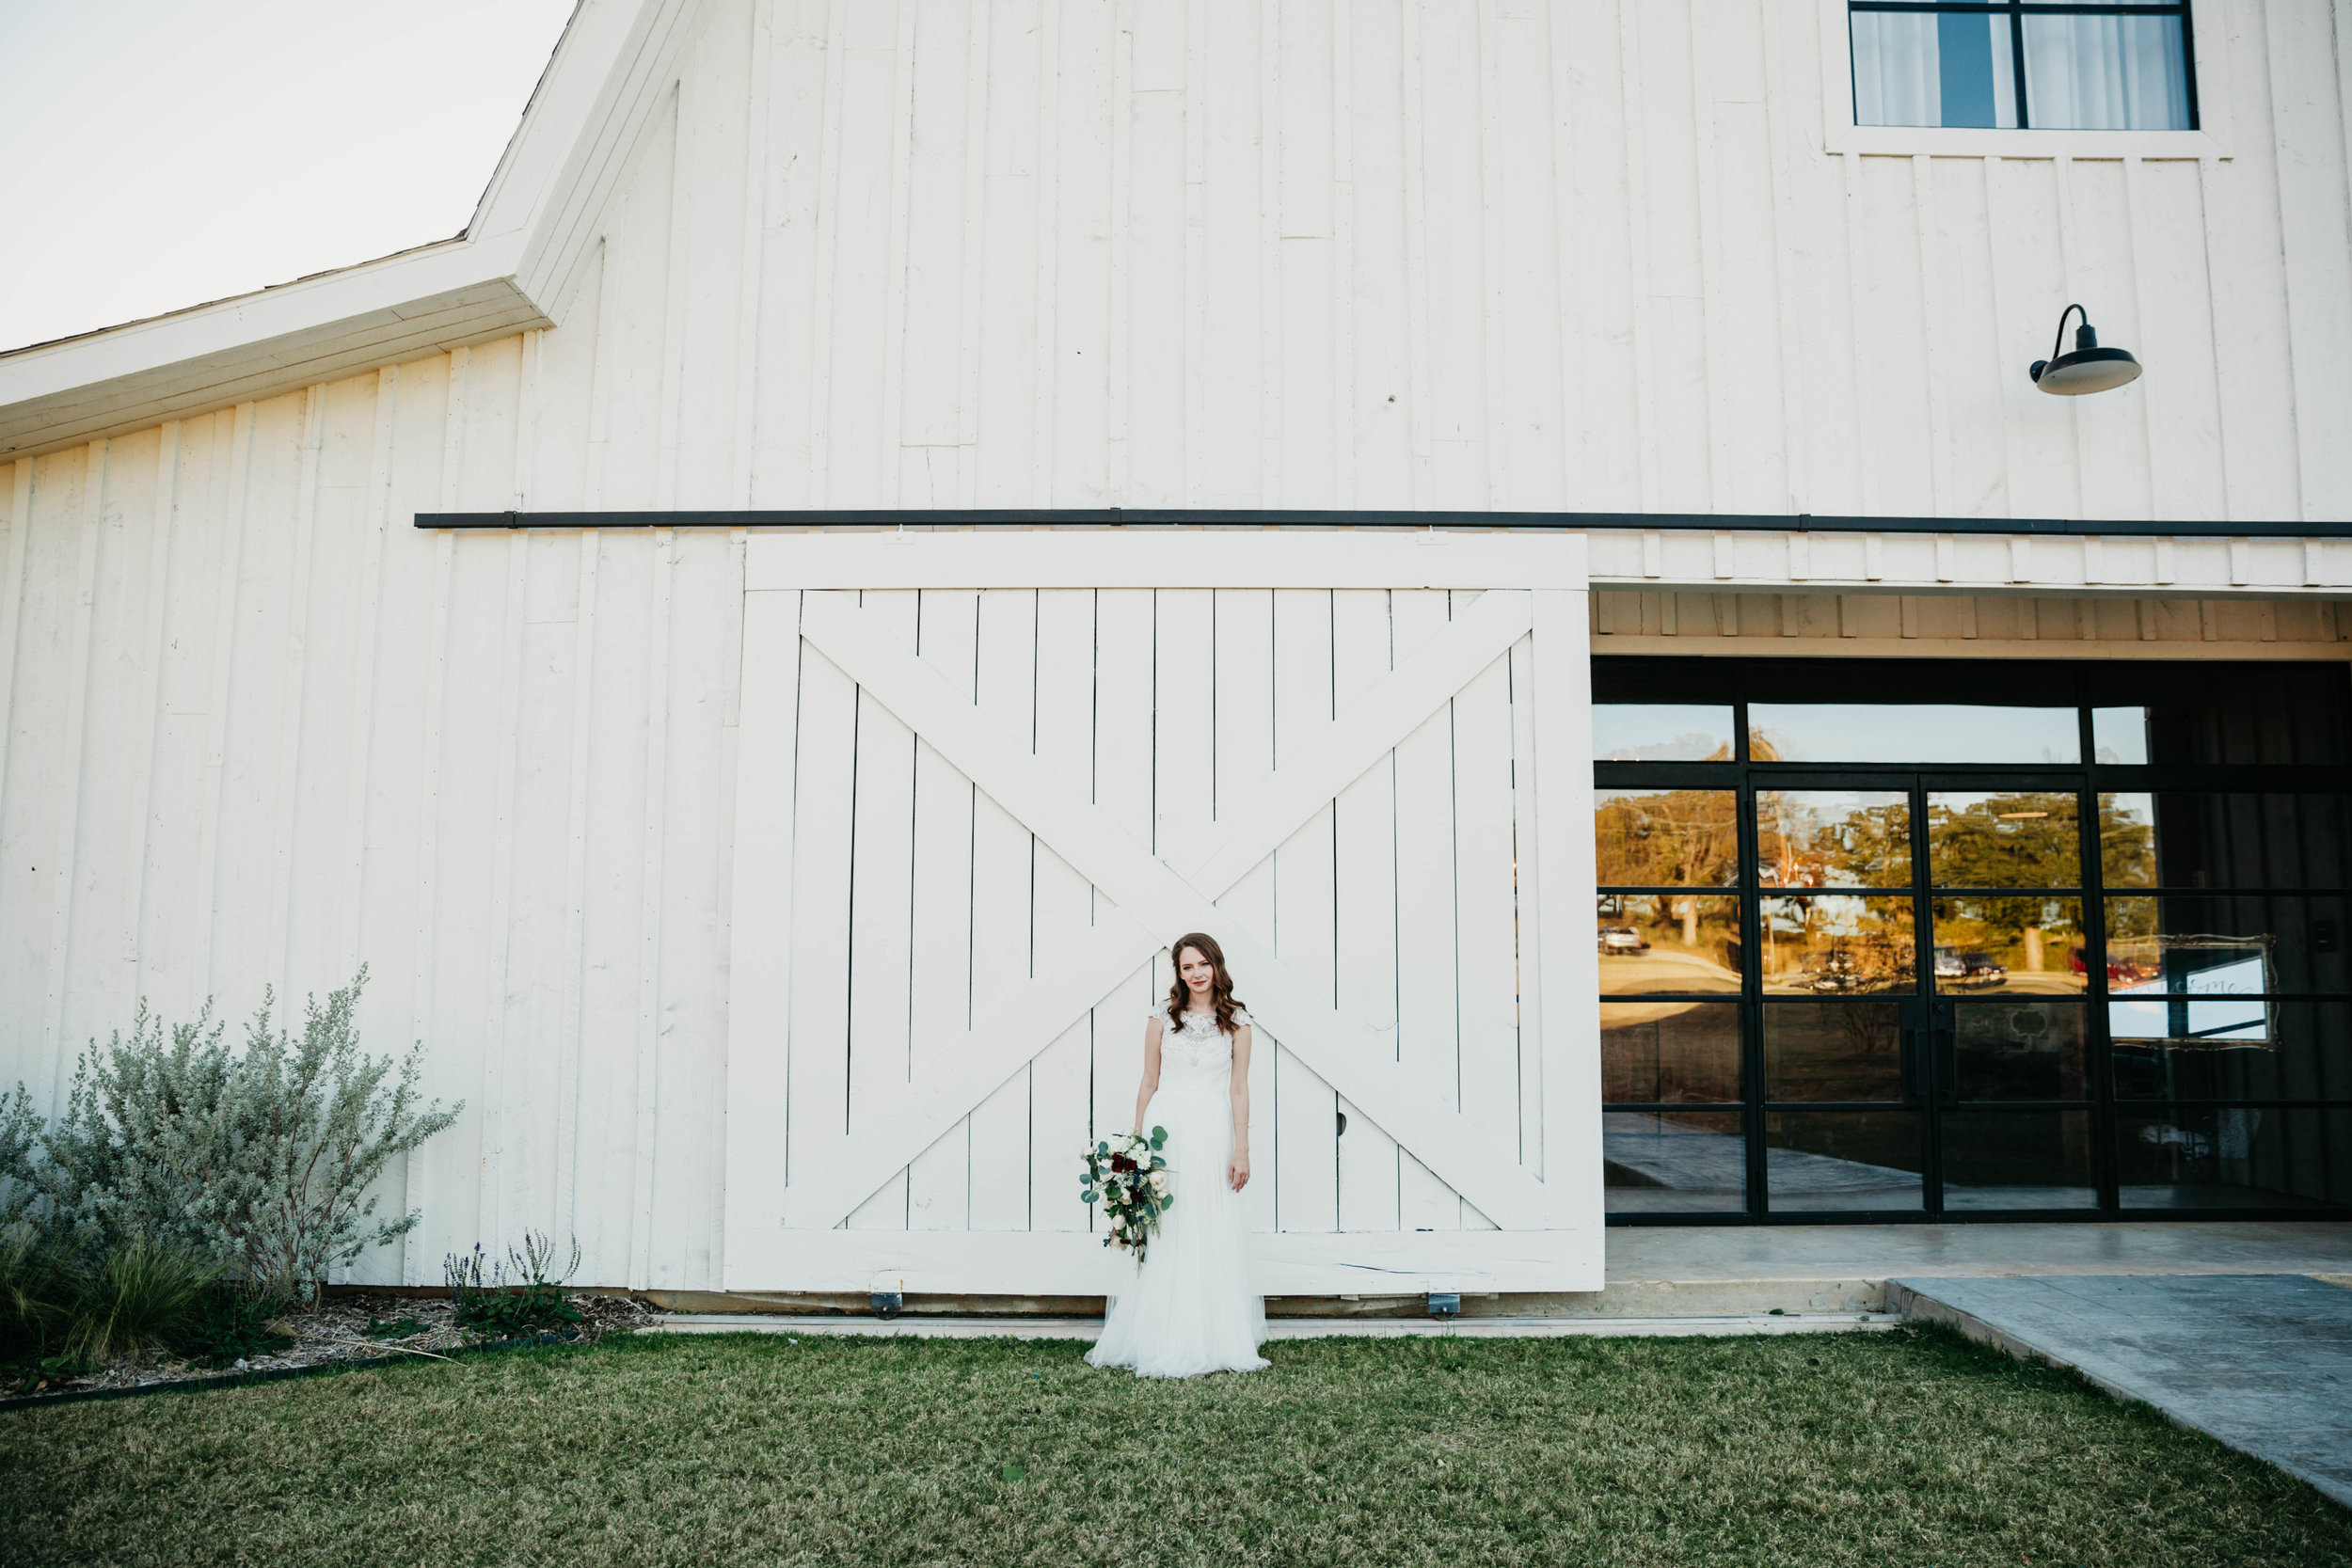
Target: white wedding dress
pixel 1191 1309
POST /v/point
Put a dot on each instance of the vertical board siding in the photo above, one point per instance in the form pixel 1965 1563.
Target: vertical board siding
pixel 257 731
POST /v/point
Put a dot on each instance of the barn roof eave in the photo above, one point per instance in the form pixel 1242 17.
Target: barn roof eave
pixel 509 271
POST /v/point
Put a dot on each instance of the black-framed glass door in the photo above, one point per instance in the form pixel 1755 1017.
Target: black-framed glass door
pixel 1924 1031
pixel 2040 954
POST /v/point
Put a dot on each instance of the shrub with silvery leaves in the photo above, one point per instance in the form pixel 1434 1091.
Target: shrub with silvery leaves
pixel 258 1158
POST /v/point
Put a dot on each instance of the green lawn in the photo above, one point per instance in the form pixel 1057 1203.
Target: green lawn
pixel 1895 1449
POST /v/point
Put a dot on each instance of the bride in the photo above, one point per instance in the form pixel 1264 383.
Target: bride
pixel 1190 1309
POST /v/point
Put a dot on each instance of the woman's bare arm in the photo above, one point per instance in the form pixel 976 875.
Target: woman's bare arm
pixel 1150 1085
pixel 1237 1173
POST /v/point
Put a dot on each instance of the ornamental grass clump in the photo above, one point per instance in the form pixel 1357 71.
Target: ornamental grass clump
pixel 143 1295
pixel 255 1160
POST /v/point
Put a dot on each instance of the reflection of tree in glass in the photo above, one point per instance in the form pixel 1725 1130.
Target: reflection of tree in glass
pixel 2127 842
pixel 1838 944
pixel 1800 844
pixel 1674 838
pixel 2028 839
pixel 2024 840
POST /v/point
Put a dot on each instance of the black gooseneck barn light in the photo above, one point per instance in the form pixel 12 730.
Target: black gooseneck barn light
pixel 2089 369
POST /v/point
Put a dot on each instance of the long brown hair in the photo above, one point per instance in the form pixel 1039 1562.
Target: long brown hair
pixel 1221 996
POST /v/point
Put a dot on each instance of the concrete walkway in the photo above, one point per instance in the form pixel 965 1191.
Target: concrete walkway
pixel 1705 1270
pixel 2263 1362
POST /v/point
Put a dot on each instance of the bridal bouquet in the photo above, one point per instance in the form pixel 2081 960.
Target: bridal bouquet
pixel 1128 1176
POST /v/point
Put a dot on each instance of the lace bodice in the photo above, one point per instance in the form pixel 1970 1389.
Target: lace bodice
pixel 1196 1055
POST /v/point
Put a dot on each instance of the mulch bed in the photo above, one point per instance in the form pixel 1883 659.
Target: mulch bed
pixel 343 1328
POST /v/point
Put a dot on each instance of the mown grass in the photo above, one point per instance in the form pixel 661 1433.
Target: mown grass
pixel 1905 1448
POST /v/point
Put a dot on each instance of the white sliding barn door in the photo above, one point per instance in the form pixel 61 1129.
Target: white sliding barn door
pixel 984 780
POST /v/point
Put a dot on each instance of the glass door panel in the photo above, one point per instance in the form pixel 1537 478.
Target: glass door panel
pixel 2040 1159
pixel 2003 838
pixel 1833 1051
pixel 1673 1162
pixel 2029 1048
pixel 1845 1161
pixel 1988 942
pixel 1666 944
pixel 1835 944
pixel 2006 1030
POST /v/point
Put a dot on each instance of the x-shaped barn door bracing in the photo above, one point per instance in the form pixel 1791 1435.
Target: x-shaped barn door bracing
pixel 1346 1052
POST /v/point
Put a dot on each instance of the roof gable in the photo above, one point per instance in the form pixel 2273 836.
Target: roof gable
pixel 512 269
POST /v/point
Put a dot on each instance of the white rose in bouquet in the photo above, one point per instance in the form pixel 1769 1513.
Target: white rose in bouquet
pixel 1159 1180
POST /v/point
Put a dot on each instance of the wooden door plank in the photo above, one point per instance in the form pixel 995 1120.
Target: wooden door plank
pixel 1568 967
pixel 1243 757
pixel 1428 1010
pixel 1183 705
pixel 1486 930
pixel 1363 830
pixel 1122 788
pixel 1306 1111
pixel 1530 928
pixel 1004 868
pixel 1061 1091
pixel 882 888
pixel 939 1182
pixel 818 1102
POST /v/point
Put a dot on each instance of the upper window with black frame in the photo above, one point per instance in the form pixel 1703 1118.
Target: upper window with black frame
pixel 2069 65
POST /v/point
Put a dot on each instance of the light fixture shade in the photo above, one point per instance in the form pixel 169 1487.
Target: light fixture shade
pixel 2089 369
pixel 2094 370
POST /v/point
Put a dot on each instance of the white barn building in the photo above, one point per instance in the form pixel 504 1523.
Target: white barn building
pixel 891 512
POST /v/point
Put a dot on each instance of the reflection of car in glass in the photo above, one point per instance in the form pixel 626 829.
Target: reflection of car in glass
pixel 2120 970
pixel 1622 939
pixel 1843 970
pixel 1955 967
pixel 1978 969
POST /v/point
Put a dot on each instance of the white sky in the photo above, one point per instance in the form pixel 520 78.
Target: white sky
pixel 158 153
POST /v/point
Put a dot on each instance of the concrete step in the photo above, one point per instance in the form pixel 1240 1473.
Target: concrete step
pixel 977 1328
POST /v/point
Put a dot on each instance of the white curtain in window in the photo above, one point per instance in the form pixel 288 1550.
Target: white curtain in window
pixel 1900 67
pixel 2105 73
pixel 1894 79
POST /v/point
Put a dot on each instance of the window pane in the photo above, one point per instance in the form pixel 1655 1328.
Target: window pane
pixel 1677 1161
pixel 2018 1159
pixel 1833 837
pixel 2303 1052
pixel 2003 840
pixel 2106 73
pixel 2127 841
pixel 2118 736
pixel 1669 1053
pixel 1679 943
pixel 2030 1049
pixel 2226 945
pixel 1667 837
pixel 2244 840
pixel 1988 943
pixel 1829 944
pixel 1660 732
pixel 1843 1160
pixel 1833 1050
pixel 1912 733
pixel 2234 1157
pixel 1914 70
